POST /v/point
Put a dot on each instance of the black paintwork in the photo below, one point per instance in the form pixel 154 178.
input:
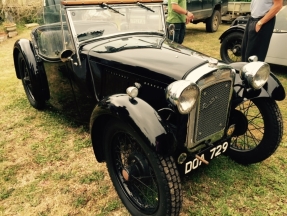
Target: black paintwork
pixel 105 71
pixel 238 25
pixel 236 28
pixel 153 130
pixel 163 57
pixel 35 67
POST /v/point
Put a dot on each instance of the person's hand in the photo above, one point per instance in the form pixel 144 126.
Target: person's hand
pixel 189 17
pixel 258 26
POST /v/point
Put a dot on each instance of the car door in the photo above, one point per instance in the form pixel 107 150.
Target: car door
pixel 200 8
pixel 195 6
pixel 277 52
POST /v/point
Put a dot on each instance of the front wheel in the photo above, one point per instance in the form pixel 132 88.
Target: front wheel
pixel 147 183
pixel 258 130
pixel 213 22
pixel 230 49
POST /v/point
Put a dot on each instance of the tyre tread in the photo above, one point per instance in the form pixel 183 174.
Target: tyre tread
pixel 172 174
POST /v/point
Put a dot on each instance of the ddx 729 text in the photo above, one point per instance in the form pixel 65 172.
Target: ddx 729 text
pixel 214 152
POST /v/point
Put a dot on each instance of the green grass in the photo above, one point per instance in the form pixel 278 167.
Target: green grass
pixel 47 165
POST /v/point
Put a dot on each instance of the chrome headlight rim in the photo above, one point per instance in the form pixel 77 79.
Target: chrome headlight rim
pixel 256 74
pixel 183 94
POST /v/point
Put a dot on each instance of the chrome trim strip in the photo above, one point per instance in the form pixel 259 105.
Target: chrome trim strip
pixel 201 71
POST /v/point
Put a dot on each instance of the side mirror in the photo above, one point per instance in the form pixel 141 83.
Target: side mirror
pixel 66 55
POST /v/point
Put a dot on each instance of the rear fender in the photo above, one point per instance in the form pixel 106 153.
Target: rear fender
pixel 273 87
pixel 237 28
pixel 35 67
pixel 139 115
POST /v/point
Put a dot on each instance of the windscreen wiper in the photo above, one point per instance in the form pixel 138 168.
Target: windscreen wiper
pixel 94 33
pixel 109 7
pixel 90 34
pixel 114 49
pixel 111 49
pixel 143 6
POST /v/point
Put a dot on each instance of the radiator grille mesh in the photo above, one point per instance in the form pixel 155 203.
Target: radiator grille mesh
pixel 212 110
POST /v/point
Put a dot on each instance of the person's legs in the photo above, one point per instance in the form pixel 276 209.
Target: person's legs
pixel 264 37
pixel 256 43
pixel 244 42
pixel 181 33
pixel 249 41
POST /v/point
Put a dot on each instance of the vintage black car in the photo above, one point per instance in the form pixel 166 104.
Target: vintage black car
pixel 156 109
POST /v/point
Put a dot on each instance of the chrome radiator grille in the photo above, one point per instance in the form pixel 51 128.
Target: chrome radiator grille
pixel 212 110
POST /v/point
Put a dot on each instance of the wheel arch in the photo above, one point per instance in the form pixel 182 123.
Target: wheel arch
pixel 217 7
pixel 140 117
pixel 231 30
pixel 35 64
pixel 16 52
pixel 25 47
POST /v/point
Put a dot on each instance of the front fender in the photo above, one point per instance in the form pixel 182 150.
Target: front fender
pixel 35 67
pixel 273 87
pixel 139 115
pixel 236 28
pixel 25 47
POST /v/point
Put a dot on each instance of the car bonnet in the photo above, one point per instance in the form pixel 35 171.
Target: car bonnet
pixel 153 53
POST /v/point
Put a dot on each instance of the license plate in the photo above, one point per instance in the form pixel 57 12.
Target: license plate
pixel 206 155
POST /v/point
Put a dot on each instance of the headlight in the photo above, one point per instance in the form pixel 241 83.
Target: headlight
pixel 255 73
pixel 183 94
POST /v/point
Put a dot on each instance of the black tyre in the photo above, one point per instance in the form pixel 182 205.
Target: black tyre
pixel 147 183
pixel 230 49
pixel 30 89
pixel 258 133
pixel 213 22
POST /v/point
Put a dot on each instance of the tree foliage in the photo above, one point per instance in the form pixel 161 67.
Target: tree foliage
pixel 25 11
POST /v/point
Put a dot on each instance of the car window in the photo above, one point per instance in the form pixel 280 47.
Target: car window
pixel 51 14
pixel 54 37
pixel 98 21
pixel 281 20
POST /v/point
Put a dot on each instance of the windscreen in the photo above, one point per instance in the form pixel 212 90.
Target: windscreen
pixel 97 21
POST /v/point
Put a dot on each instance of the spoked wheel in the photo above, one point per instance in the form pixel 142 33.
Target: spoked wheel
pixel 230 49
pixel 30 89
pixel 258 133
pixel 147 183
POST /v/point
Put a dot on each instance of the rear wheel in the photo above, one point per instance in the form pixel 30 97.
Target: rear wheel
pixel 213 22
pixel 230 49
pixel 147 183
pixel 30 88
pixel 258 131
